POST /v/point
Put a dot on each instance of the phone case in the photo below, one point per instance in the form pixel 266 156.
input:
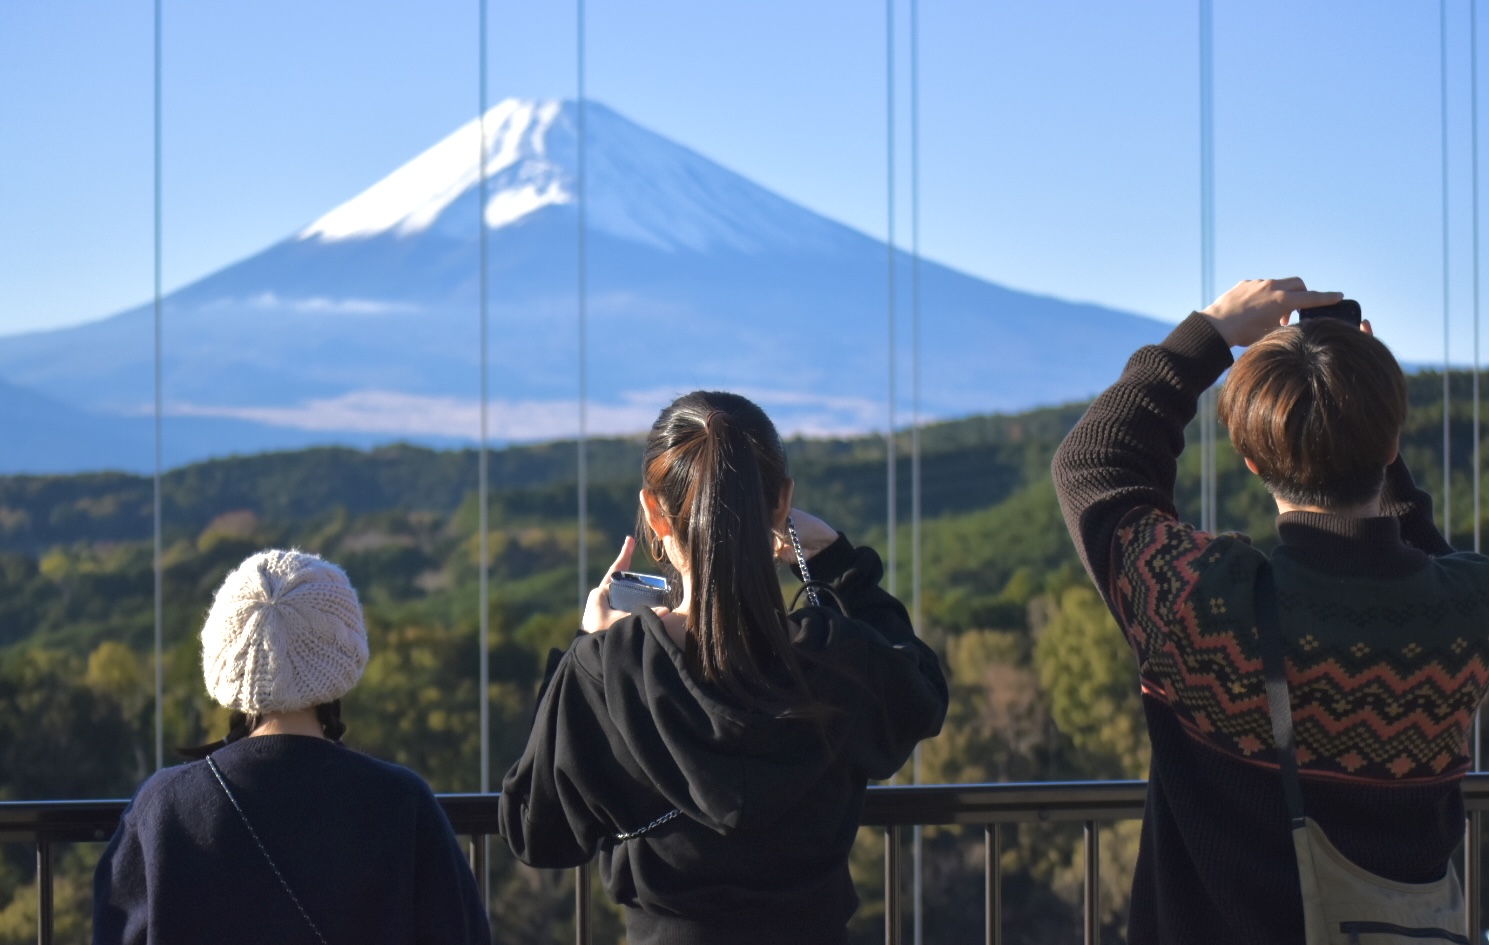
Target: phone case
pixel 628 596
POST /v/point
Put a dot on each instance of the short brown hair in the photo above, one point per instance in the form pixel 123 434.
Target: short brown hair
pixel 1318 407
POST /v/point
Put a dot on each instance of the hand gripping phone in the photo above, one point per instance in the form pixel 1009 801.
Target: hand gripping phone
pixel 631 591
pixel 1347 310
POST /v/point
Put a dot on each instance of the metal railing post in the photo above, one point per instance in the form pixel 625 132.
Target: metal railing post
pixel 479 847
pixel 892 885
pixel 992 875
pixel 44 892
pixel 1472 880
pixel 1093 885
pixel 581 905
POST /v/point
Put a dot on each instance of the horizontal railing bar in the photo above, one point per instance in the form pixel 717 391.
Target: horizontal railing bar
pixel 1003 803
pixel 59 821
pixel 885 806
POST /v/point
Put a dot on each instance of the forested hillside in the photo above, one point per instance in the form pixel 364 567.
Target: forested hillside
pixel 1043 686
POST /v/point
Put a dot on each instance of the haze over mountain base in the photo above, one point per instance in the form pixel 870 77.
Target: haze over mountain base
pixel 364 327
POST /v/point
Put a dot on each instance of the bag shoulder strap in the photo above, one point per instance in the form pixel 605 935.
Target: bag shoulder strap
pixel 807 584
pixel 217 773
pixel 1279 699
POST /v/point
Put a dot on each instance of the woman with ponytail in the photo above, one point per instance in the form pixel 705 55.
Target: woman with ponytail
pixel 277 832
pixel 714 752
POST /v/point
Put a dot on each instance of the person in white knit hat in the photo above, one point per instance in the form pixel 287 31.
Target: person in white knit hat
pixel 283 642
pixel 278 833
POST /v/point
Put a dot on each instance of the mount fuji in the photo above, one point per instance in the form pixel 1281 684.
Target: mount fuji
pixel 363 327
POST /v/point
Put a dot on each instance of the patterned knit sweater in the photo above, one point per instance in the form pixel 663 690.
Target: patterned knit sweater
pixel 1386 633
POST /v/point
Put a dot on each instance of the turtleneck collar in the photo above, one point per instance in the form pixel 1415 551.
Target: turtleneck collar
pixel 1345 545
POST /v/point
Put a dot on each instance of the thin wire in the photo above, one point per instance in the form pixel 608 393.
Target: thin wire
pixel 891 460
pixel 482 469
pixel 1447 439
pixel 583 443
pixel 918 850
pixel 158 571
pixel 1473 105
pixel 1473 97
pixel 915 481
pixel 1208 505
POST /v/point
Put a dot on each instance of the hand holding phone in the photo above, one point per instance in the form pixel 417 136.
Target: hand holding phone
pixel 1345 310
pixel 602 608
pixel 631 591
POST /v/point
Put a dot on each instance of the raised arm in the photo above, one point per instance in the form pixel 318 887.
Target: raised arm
pixel 544 812
pixel 1407 501
pixel 909 690
pixel 1123 454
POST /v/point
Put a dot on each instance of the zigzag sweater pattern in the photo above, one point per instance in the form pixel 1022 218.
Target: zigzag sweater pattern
pixel 1387 651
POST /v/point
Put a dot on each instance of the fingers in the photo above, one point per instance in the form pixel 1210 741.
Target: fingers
pixel 623 560
pixel 1304 299
pixel 782 546
pixel 595 609
pixel 1290 284
pixel 1365 327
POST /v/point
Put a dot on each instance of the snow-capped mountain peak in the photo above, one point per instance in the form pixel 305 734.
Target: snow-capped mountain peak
pixel 640 187
pixel 409 201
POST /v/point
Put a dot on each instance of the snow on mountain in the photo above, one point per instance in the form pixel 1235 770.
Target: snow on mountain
pixel 363 327
pixel 641 186
pixel 410 199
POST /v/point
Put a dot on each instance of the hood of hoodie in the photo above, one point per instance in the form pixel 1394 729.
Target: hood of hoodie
pixel 724 765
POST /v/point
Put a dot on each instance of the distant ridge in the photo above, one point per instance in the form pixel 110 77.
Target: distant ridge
pixel 362 327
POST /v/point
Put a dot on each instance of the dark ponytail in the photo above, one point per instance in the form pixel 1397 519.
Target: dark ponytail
pixel 716 467
pixel 329 715
pixel 241 725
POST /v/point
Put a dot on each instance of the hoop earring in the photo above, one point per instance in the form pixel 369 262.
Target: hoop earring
pixel 656 549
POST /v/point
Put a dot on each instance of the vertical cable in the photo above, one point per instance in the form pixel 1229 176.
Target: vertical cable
pixel 1447 425
pixel 159 583
pixel 918 850
pixel 483 474
pixel 915 484
pixel 1473 99
pixel 481 458
pixel 1208 478
pixel 1473 118
pixel 1473 881
pixel 583 442
pixel 891 485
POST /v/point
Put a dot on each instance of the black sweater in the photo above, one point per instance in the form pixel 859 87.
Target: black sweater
pixel 1387 649
pixel 769 806
pixel 362 843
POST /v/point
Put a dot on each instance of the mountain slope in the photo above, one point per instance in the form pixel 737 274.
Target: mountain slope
pixel 363 326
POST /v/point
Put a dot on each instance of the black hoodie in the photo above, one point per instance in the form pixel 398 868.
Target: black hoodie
pixel 769 807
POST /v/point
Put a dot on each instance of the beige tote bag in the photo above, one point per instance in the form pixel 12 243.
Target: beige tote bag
pixel 1344 904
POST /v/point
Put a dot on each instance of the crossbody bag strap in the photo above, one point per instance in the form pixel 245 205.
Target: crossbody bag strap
pixel 1279 700
pixel 807 584
pixel 217 773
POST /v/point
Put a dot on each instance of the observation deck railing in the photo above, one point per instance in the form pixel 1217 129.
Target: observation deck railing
pixel 893 808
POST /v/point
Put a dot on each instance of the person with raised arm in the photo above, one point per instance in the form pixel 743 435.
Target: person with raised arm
pixel 1381 634
pixel 714 750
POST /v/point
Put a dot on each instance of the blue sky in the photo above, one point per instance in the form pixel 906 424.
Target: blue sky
pixel 1059 140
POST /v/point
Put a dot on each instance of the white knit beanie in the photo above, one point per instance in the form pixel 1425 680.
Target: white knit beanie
pixel 285 632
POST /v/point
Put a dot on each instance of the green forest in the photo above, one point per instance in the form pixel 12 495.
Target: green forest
pixel 1043 686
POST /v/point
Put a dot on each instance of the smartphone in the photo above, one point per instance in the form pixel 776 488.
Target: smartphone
pixel 630 591
pixel 1346 311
